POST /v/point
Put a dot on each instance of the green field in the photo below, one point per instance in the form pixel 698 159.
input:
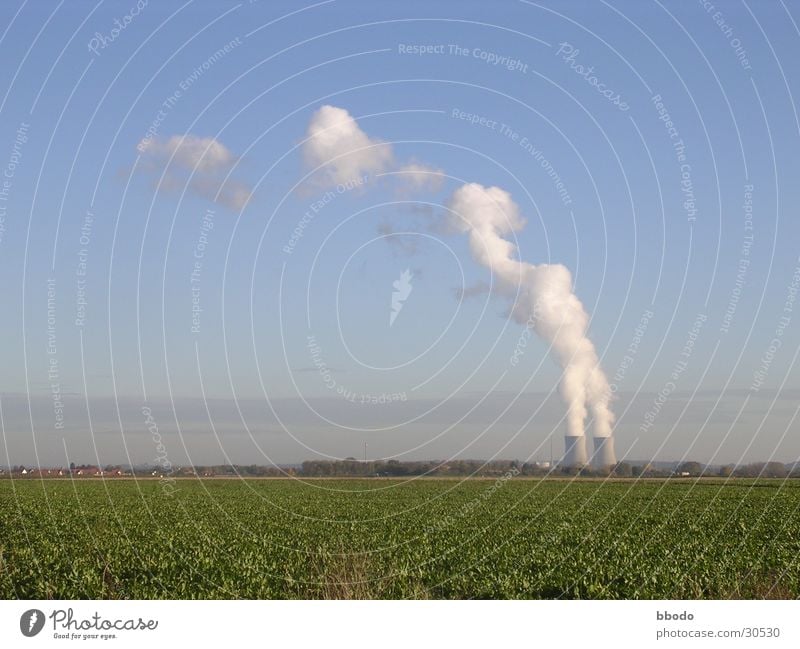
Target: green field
pixel 382 539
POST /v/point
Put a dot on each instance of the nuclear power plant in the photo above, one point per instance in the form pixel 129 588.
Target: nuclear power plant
pixel 604 457
pixel 575 452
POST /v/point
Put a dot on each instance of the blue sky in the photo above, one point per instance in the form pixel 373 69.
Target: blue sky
pixel 726 77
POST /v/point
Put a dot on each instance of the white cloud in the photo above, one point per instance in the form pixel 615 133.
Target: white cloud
pixel 231 193
pixel 337 143
pixel 420 177
pixel 198 163
pixel 193 153
pixel 342 152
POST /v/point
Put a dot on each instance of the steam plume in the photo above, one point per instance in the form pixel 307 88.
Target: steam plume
pixel 543 294
pixel 545 301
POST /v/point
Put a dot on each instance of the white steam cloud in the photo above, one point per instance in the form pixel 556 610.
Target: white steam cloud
pixel 545 301
pixel 336 142
pixel 343 153
pixel 417 177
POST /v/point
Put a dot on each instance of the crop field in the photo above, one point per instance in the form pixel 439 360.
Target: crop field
pixel 388 539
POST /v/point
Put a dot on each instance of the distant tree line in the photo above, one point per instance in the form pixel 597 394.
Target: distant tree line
pixel 351 467
pixel 696 470
pixel 396 468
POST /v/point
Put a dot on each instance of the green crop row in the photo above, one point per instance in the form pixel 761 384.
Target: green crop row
pixel 381 539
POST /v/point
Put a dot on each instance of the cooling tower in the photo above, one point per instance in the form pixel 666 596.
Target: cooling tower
pixel 604 457
pixel 574 451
